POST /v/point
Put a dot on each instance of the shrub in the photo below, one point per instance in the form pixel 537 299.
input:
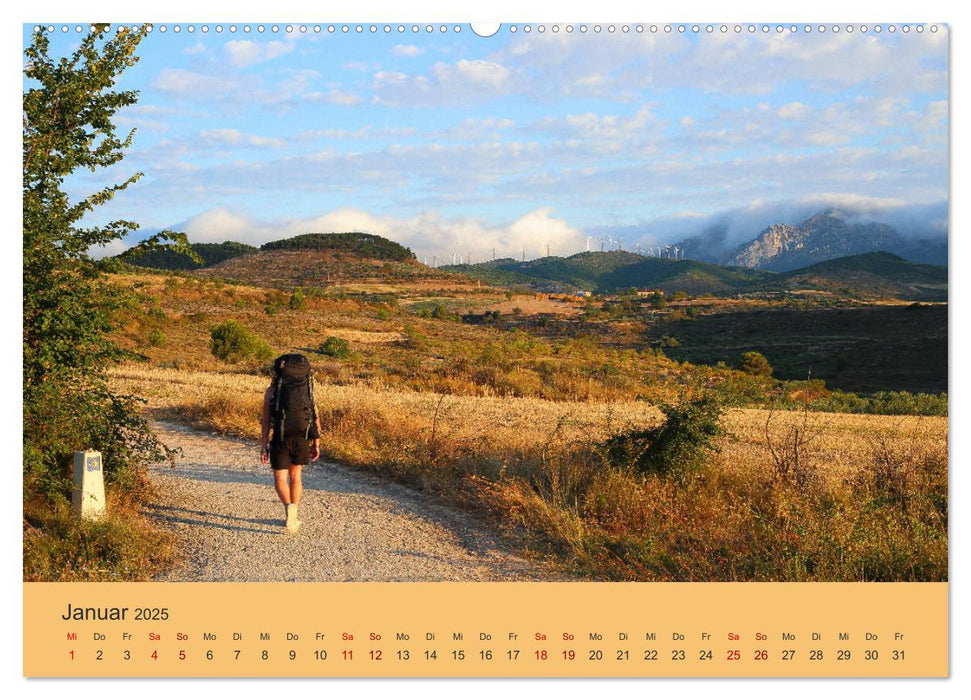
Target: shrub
pixel 298 301
pixel 755 363
pixel 413 338
pixel 335 347
pixel 156 337
pixel 681 443
pixel 232 342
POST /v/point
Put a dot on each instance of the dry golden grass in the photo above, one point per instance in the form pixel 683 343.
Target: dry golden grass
pixel 868 500
pixel 123 546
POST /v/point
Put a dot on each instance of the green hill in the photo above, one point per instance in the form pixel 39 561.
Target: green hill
pixel 363 245
pixel 874 275
pixel 211 254
pixel 610 271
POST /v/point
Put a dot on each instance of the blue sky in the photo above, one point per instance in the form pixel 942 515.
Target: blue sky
pixel 453 143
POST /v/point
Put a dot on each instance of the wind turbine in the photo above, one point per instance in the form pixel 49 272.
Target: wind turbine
pixel 667 251
pixel 620 243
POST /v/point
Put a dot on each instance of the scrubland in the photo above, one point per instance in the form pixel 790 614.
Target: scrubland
pixel 788 495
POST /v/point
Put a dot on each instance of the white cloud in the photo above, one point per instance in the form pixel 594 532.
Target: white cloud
pixel 427 234
pixel 447 83
pixel 243 52
pixel 106 251
pixel 334 97
pixel 604 65
pixel 478 72
pixel 233 137
pixel 793 110
pixel 406 50
pixel 185 83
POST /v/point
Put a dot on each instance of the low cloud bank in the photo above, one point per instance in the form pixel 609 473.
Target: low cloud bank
pixel 721 232
pixel 439 239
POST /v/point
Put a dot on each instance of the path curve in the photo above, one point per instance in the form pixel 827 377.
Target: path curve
pixel 219 501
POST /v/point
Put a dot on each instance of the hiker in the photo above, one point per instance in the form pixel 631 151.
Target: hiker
pixel 288 405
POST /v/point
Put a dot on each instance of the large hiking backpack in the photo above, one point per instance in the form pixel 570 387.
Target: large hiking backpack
pixel 292 405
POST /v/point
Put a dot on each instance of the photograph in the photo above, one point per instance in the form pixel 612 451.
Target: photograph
pixel 572 303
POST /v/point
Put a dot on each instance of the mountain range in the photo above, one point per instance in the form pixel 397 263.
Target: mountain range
pixel 826 253
pixel 823 236
pixel 868 275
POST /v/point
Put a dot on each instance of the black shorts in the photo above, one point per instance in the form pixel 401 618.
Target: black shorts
pixel 289 451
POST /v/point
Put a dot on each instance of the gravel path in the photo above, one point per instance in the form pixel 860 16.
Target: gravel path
pixel 220 501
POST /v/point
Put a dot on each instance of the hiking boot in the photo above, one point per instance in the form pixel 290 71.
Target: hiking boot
pixel 292 523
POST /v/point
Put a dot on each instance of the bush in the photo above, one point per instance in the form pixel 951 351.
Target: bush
pixel 233 342
pixel 681 443
pixel 156 337
pixel 298 301
pixel 335 347
pixel 755 363
pixel 413 338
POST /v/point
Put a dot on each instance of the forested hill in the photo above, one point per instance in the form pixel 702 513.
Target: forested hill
pixel 364 245
pixel 163 259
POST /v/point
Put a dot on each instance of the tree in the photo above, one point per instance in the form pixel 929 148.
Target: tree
pixel 755 363
pixel 68 303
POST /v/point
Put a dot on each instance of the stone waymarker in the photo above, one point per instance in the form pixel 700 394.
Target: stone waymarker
pixel 88 498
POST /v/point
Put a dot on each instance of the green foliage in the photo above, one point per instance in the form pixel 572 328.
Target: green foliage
pixel 231 341
pixel 365 245
pixel 755 363
pixel 207 254
pixel 680 444
pixel 437 311
pixel 335 347
pixel 891 403
pixel 156 337
pixel 68 305
pixel 610 271
pixel 413 338
pixel 298 301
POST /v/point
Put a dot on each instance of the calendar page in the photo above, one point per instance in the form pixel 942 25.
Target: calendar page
pixel 538 350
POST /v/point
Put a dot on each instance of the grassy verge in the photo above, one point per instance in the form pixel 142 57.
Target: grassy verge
pixel 124 546
pixel 789 496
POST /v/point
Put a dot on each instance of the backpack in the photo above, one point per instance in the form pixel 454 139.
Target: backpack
pixel 292 409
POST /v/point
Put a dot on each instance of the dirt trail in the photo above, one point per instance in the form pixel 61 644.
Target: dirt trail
pixel 220 501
